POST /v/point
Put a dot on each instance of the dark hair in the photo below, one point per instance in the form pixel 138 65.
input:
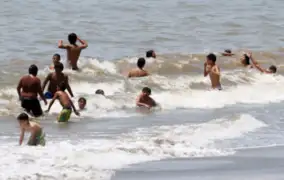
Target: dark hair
pixel 57 55
pixel 273 68
pixel 82 99
pixel 149 53
pixel 228 51
pixel 72 38
pixel 211 57
pixel 59 66
pixel 62 86
pixel 247 62
pixel 141 62
pixel 100 91
pixel 23 117
pixel 146 90
pixel 33 69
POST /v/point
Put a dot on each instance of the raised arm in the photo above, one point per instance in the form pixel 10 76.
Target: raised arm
pixel 68 86
pixel 84 43
pixel 257 65
pixel 61 45
pixel 19 87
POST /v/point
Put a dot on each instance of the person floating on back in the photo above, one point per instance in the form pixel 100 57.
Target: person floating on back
pixel 55 60
pixel 151 54
pixel 73 50
pixel 37 134
pixel 82 102
pixel 211 68
pixel 54 79
pixel 271 70
pixel 65 102
pixel 139 71
pixel 145 100
pixel 29 87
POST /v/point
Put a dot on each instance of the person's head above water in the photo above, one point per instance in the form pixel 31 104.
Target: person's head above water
pixel 272 69
pixel 211 59
pixel 23 119
pixel 61 86
pixel 82 102
pixel 228 51
pixel 245 60
pixel 100 91
pixel 33 70
pixel 141 63
pixel 56 58
pixel 151 54
pixel 58 67
pixel 72 38
pixel 146 91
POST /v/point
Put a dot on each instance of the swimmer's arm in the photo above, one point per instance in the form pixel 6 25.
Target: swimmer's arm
pixel 46 81
pixel 52 101
pixel 139 103
pixel 68 87
pixel 19 87
pixel 257 65
pixel 61 45
pixel 84 43
pixel 72 105
pixel 22 136
pixel 40 92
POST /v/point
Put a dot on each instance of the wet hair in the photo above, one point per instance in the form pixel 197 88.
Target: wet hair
pixel 273 68
pixel 62 86
pixel 211 57
pixel 23 117
pixel 141 62
pixel 100 91
pixel 72 38
pixel 82 99
pixel 149 53
pixel 59 66
pixel 146 90
pixel 33 69
pixel 228 51
pixel 57 55
pixel 247 62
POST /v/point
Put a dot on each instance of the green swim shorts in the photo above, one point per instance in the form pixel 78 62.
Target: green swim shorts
pixel 64 115
pixel 39 140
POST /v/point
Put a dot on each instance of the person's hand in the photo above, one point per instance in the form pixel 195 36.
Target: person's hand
pixel 77 113
pixel 249 54
pixel 45 102
pixel 46 111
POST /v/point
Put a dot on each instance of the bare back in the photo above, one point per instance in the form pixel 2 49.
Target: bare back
pixel 73 54
pixel 137 73
pixel 30 85
pixel 215 77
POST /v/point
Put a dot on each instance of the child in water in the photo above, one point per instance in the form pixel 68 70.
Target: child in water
pixel 56 60
pixel 82 102
pixel 65 102
pixel 37 134
pixel 144 99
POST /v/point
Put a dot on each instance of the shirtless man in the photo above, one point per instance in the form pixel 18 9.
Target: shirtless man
pixel 73 50
pixel 271 70
pixel 213 70
pixel 28 89
pixel 139 71
pixel 65 102
pixel 37 134
pixel 54 79
pixel 145 100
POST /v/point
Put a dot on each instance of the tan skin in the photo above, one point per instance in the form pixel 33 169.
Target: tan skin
pixel 29 87
pixel 64 100
pixel 73 51
pixel 55 79
pixel 137 72
pixel 257 66
pixel 145 100
pixel 55 61
pixel 32 127
pixel 214 72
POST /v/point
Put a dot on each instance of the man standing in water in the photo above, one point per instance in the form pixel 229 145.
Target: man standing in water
pixel 28 88
pixel 54 79
pixel 73 50
pixel 211 68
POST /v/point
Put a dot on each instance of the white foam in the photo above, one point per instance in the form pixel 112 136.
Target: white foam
pixel 98 158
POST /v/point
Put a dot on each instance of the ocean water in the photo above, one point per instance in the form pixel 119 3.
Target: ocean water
pixel 197 133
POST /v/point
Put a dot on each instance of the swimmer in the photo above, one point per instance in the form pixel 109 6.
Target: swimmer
pixel 145 100
pixel 82 102
pixel 55 59
pixel 271 70
pixel 211 68
pixel 65 102
pixel 151 54
pixel 73 50
pixel 139 71
pixel 54 79
pixel 29 87
pixel 100 91
pixel 37 134
pixel 227 52
pixel 245 60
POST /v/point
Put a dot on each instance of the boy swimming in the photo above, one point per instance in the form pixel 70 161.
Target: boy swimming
pixel 37 134
pixel 82 103
pixel 144 99
pixel 65 102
